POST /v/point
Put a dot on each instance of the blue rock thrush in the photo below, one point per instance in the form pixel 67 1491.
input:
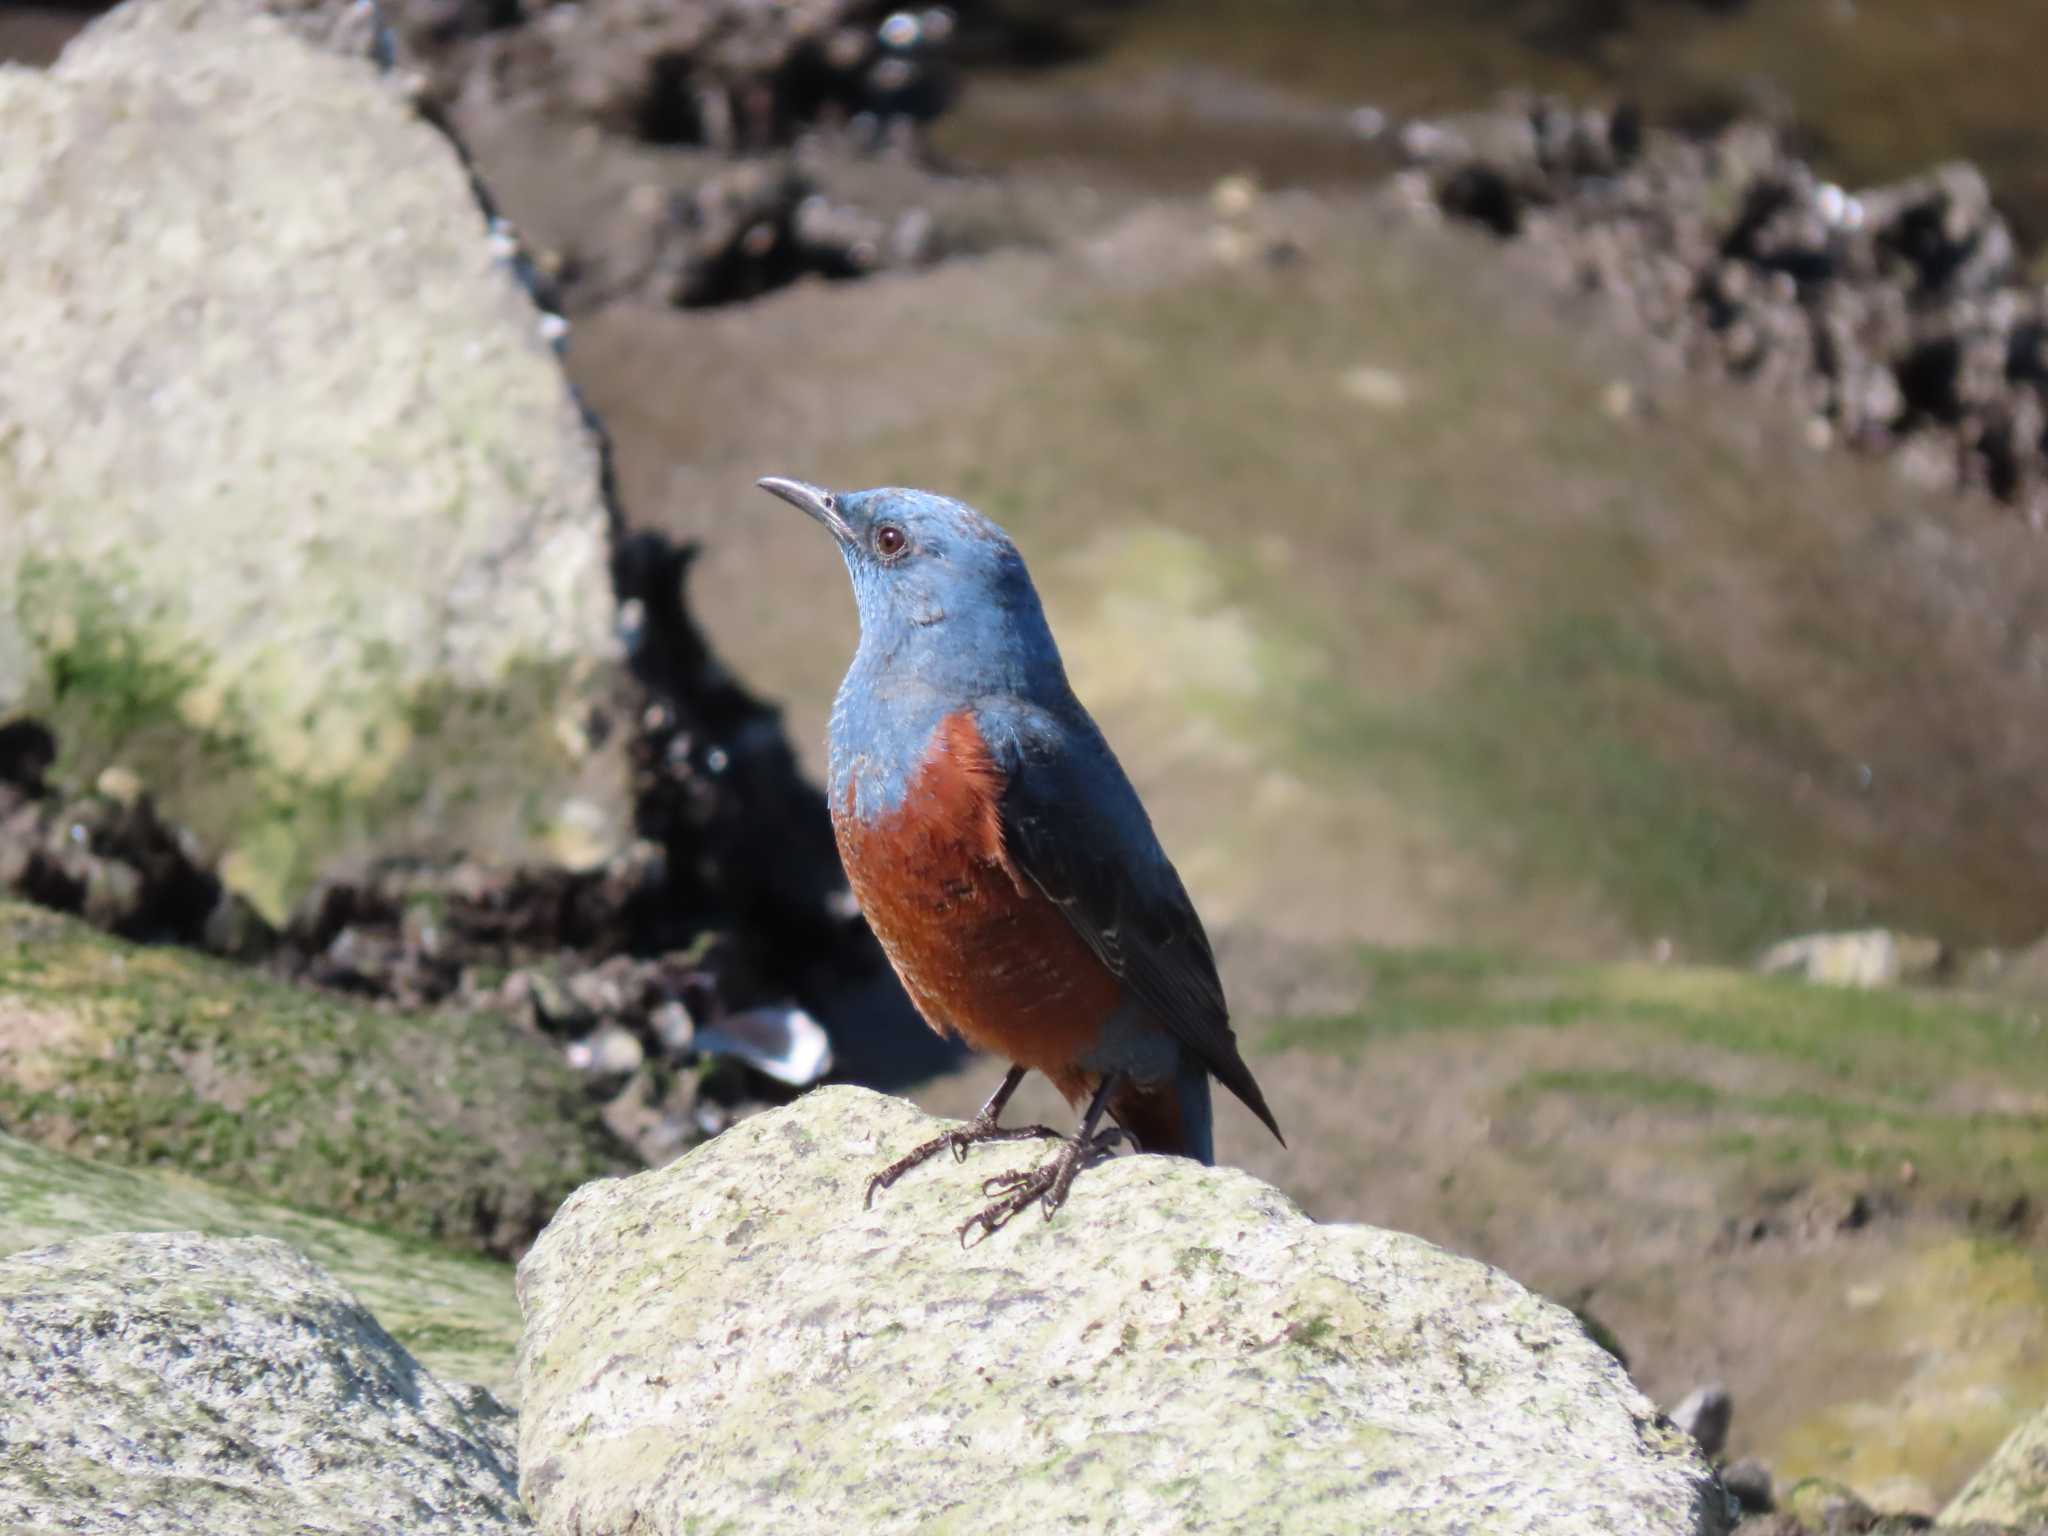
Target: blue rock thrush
pixel 1001 856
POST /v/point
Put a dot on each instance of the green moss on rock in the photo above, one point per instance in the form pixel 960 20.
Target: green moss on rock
pixel 429 765
pixel 2012 1487
pixel 449 1127
pixel 454 1311
pixel 327 567
pixel 173 1381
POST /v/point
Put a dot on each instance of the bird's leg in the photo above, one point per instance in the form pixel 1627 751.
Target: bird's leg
pixel 1049 1182
pixel 981 1128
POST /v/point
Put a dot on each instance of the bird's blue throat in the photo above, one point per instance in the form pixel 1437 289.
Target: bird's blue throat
pixel 950 621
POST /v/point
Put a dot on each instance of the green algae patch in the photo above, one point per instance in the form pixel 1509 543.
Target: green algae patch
pixel 455 1312
pixel 106 681
pixel 1862 1081
pixel 454 1128
pixel 1564 736
pixel 386 759
pixel 1970 1320
pixel 1896 1042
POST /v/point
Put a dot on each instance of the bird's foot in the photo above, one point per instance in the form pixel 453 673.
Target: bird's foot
pixel 1048 1183
pixel 980 1129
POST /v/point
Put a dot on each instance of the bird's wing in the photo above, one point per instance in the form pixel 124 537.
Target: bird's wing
pixel 1074 827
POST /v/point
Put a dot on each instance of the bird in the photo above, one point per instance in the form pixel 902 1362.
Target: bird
pixel 1002 857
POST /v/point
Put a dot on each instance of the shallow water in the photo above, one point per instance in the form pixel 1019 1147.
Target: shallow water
pixel 1873 89
pixel 1170 94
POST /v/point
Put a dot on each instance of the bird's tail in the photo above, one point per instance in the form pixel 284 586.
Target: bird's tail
pixel 1171 1116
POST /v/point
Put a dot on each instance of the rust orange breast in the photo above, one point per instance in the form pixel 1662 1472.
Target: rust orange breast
pixel 983 952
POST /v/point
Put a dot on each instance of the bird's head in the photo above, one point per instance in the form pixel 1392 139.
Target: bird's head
pixel 930 574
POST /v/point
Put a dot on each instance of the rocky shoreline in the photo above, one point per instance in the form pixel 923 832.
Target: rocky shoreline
pixel 1897 320
pixel 645 940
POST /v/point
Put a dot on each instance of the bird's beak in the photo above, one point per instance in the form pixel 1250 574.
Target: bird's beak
pixel 821 504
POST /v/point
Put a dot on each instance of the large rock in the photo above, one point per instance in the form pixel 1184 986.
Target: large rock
pixel 299 518
pixel 2012 1487
pixel 458 1127
pixel 454 1312
pixel 173 1382
pixel 733 1343
pixel 1873 957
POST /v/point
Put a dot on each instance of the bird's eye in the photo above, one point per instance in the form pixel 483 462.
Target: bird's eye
pixel 890 541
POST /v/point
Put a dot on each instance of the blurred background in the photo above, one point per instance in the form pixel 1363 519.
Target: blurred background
pixel 1545 496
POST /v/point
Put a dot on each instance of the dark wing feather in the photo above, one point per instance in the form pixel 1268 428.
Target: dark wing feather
pixel 1075 828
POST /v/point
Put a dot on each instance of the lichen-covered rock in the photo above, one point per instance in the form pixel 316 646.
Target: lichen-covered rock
pixel 2012 1487
pixel 299 518
pixel 733 1343
pixel 454 1312
pixel 172 1382
pixel 456 1127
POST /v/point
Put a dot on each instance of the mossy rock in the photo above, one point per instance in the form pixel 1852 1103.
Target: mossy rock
pixel 732 1343
pixel 450 1127
pixel 454 1312
pixel 2013 1485
pixel 165 1382
pixel 299 517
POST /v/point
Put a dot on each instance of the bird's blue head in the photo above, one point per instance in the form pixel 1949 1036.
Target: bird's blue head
pixel 945 601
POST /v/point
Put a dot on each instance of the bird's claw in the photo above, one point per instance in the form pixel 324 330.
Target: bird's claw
pixel 1048 1183
pixel 980 1129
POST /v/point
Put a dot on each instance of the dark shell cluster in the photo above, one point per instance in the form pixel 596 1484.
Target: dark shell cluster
pixel 1899 319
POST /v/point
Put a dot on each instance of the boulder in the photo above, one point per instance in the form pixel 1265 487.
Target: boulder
pixel 733 1343
pixel 1822 1505
pixel 1874 957
pixel 1750 1484
pixel 300 519
pixel 172 1382
pixel 454 1312
pixel 2012 1487
pixel 1705 1413
pixel 456 1127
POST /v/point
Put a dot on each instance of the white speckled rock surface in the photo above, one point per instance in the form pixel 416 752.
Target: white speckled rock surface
pixel 296 505
pixel 733 1344
pixel 2012 1487
pixel 169 1382
pixel 452 1311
